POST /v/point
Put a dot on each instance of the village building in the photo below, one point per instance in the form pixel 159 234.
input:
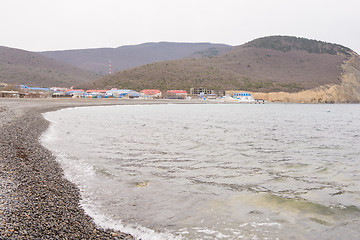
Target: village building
pixel 96 93
pixel 134 94
pixel 74 90
pixel 176 94
pixel 204 92
pixel 9 94
pixel 151 93
pixel 38 94
pixel 35 92
pixel 58 89
pixel 117 93
pixel 241 94
pixel 77 94
pixel 122 93
pixel 59 94
pixel 231 93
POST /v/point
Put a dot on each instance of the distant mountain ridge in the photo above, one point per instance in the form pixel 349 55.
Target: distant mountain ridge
pixel 23 67
pixel 124 57
pixel 275 68
pixel 288 43
pixel 265 65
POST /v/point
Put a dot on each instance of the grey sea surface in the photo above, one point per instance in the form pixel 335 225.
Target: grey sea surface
pixel 215 171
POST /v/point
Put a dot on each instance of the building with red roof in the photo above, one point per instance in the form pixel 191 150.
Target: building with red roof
pixel 151 93
pixel 176 94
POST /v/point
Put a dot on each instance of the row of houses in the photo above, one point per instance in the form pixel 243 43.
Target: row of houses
pixel 23 91
pixel 124 93
pixel 57 92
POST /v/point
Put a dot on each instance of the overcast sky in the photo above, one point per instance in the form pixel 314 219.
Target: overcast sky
pixel 41 25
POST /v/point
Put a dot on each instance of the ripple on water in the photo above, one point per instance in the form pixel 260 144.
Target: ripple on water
pixel 216 171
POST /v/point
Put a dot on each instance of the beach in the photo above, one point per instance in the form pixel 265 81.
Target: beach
pixel 273 172
pixel 36 201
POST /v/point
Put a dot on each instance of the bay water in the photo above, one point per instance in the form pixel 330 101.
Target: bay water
pixel 214 171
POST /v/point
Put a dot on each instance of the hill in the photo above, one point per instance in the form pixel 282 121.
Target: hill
pixel 23 67
pixel 97 60
pixel 264 65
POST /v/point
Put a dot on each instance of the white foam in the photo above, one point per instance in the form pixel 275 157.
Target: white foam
pixel 50 134
pixel 217 234
pixel 137 231
pixel 271 224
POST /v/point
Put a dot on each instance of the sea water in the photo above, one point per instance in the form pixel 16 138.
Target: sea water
pixel 214 171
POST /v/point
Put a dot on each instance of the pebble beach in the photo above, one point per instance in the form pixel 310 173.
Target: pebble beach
pixel 36 201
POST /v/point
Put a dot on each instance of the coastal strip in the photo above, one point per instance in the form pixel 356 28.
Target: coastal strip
pixel 36 201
